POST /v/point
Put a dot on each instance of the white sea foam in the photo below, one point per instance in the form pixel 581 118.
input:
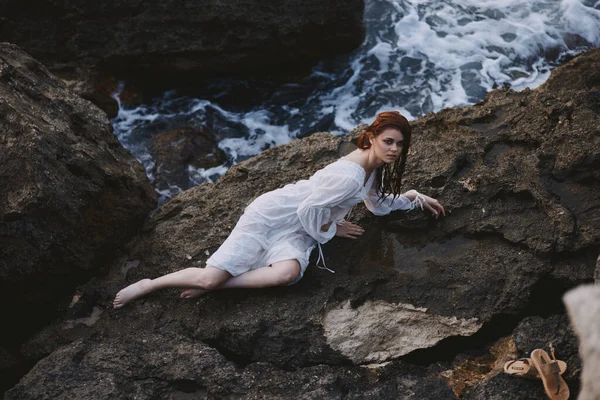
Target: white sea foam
pixel 419 56
pixel 202 175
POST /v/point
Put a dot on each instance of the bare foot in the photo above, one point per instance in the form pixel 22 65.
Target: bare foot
pixel 132 292
pixel 192 293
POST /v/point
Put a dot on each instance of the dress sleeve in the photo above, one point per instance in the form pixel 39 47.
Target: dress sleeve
pixel 389 203
pixel 315 210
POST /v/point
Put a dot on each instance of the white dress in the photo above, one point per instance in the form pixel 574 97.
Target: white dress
pixel 286 223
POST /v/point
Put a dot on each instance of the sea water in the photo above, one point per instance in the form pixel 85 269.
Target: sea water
pixel 419 56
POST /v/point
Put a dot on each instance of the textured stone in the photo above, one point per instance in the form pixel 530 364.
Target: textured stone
pixel 379 331
pixel 71 195
pixel 538 333
pixel 178 153
pixel 145 365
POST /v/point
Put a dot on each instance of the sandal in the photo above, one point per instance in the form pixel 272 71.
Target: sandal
pixel 523 368
pixel 549 370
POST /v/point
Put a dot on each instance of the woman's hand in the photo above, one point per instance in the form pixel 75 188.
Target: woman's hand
pixel 349 230
pixel 429 203
pixel 433 205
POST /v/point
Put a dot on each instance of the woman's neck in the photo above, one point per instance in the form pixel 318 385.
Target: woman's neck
pixel 366 159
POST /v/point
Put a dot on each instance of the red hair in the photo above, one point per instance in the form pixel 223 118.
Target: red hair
pixel 389 176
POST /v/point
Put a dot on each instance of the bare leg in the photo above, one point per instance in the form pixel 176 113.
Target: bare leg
pixel 279 274
pixel 201 278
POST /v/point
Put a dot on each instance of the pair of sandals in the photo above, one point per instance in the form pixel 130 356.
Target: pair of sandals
pixel 541 366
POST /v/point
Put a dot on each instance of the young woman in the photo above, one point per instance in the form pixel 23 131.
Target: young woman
pixel 272 241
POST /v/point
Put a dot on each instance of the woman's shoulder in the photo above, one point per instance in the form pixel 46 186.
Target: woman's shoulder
pixel 342 170
pixel 344 167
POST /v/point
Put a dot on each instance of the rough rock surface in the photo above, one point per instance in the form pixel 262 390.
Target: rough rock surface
pixel 179 153
pixel 379 331
pixel 583 304
pixel 149 365
pixel 538 333
pixel 175 41
pixel 518 174
pixel 70 194
pixel 533 333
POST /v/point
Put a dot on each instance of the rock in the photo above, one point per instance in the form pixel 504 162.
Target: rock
pixel 516 175
pixel 71 196
pixel 477 366
pixel 583 305
pixel 172 366
pixel 169 43
pixel 10 369
pixel 571 80
pixel 379 331
pixel 100 89
pixel 533 333
pixel 501 387
pixel 537 333
pixel 179 154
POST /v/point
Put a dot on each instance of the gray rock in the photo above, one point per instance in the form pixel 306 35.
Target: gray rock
pixel 379 331
pixel 501 387
pixel 70 197
pixel 146 365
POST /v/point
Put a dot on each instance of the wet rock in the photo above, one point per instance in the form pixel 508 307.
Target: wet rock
pixel 168 43
pixel 180 153
pixel 583 305
pixel 470 369
pixel 70 194
pixel 516 175
pixel 100 89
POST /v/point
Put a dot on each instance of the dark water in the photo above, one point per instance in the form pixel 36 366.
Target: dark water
pixel 419 56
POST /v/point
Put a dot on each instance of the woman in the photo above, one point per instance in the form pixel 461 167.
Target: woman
pixel 272 241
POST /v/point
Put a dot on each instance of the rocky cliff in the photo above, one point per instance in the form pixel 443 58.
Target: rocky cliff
pixel 418 308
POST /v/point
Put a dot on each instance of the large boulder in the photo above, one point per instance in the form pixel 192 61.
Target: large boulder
pixel 177 41
pixel 518 175
pixel 71 195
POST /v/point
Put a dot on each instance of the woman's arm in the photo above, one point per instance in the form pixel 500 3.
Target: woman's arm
pixel 315 211
pixel 406 201
pixel 427 202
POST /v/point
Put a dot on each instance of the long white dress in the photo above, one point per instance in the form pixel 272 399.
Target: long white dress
pixel 286 223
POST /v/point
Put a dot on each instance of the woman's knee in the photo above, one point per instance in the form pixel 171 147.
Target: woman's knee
pixel 209 280
pixel 287 271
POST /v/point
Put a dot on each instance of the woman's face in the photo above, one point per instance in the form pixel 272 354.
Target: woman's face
pixel 388 145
